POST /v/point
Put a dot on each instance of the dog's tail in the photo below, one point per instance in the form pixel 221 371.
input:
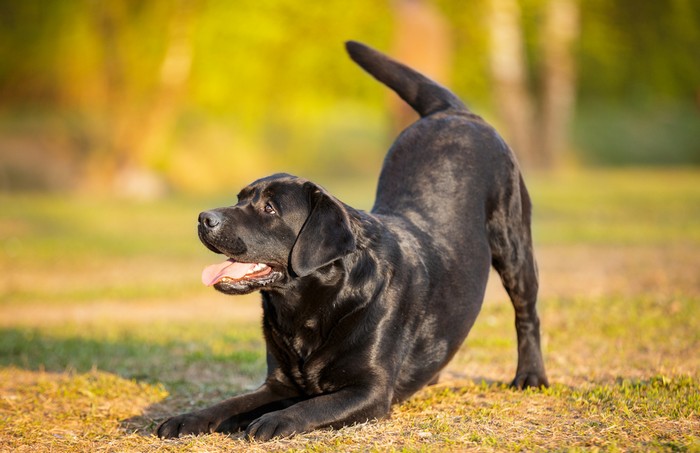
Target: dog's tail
pixel 425 96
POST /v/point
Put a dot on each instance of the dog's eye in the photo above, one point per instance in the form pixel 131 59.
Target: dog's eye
pixel 269 209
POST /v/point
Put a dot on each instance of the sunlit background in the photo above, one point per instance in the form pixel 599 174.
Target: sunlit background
pixel 149 98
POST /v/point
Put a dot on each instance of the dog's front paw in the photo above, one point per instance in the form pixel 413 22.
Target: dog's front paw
pixel 525 380
pixel 185 424
pixel 274 424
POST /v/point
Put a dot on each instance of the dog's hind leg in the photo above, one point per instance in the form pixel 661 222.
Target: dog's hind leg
pixel 512 257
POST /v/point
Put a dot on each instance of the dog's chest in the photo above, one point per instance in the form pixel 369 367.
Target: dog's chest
pixel 306 339
pixel 297 353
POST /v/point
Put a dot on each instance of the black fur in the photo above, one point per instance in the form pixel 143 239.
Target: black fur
pixel 361 309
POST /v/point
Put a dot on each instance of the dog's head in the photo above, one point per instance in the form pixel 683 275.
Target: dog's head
pixel 282 228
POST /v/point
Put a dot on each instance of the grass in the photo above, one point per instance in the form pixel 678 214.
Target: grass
pixel 622 207
pixel 105 329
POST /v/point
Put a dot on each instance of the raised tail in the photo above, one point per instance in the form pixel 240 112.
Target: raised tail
pixel 425 96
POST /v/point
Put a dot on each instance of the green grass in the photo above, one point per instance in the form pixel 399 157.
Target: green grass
pixel 105 329
pixel 622 207
pixel 152 353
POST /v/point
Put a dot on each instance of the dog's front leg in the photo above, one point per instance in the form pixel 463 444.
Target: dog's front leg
pixel 228 416
pixel 335 410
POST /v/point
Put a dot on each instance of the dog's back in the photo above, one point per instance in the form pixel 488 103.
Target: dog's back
pixel 443 163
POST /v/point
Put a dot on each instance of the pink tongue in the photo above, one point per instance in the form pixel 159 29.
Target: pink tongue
pixel 229 268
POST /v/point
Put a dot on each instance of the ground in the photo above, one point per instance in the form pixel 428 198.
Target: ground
pixel 105 329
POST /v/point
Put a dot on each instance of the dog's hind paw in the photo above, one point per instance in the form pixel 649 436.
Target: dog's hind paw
pixel 527 380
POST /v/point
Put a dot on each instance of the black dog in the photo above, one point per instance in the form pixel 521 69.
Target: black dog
pixel 361 309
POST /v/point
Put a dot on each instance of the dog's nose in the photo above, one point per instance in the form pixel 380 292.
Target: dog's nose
pixel 210 219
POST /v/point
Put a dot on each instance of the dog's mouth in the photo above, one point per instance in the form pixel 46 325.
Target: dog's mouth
pixel 234 277
pixel 231 271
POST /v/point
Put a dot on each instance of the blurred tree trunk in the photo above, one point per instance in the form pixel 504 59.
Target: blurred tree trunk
pixel 422 41
pixel 135 124
pixel 559 79
pixel 107 154
pixel 509 69
pixel 538 136
pixel 151 126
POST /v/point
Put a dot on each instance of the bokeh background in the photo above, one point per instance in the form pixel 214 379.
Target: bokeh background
pixel 145 99
pixel 121 120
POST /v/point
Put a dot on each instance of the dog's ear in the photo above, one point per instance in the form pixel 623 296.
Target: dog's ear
pixel 326 235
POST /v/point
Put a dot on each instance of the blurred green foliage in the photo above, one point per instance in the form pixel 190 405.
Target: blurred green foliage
pixel 266 85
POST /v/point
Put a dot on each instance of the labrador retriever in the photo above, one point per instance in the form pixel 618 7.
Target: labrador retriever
pixel 361 310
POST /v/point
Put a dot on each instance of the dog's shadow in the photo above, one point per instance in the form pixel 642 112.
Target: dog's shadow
pixel 192 379
pixel 146 423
